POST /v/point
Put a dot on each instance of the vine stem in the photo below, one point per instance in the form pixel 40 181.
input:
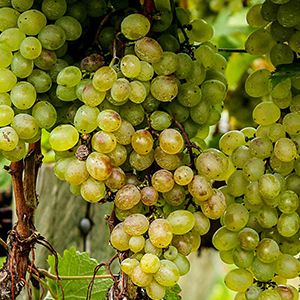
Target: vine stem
pixel 3 244
pixel 232 50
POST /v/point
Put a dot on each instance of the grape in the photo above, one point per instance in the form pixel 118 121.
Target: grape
pixel 69 76
pixel 248 239
pixel 254 168
pixel 127 197
pixel 235 217
pixel 165 160
pixel 141 278
pixel 104 142
pixel 5 57
pixel 52 37
pixel 259 42
pixel 149 196
pixel 136 243
pixel 267 217
pixel 12 38
pixel 40 80
pixel 200 189
pixel 136 224
pixel 141 162
pixel 109 120
pixel 269 295
pixel 237 183
pixel 18 153
pixel 160 233
pixel 104 78
pixel 135 26
pixel 119 238
pixel 90 96
pixel 96 8
pixel 224 239
pixel 238 280
pixel 21 5
pixel 182 264
pixel 124 133
pixel 66 93
pixel 46 60
pixel 184 66
pixel 133 113
pixel 164 88
pixel 285 150
pixel 54 9
pixel 8 18
pixel 167 65
pixel 130 66
pixel 288 14
pixel 287 292
pixel 142 141
pixel 258 83
pixel 230 141
pixel 288 224
pixel 171 141
pixel 6 115
pixel 182 221
pixel 138 92
pixel 71 27
pixel 267 250
pixel 146 73
pixel 291 123
pixel 288 202
pixel 32 21
pixel 148 49
pixel 266 113
pixel 168 273
pixel 160 120
pixel 21 66
pixel 241 258
pixel 162 180
pixel 76 172
pixel 8 139
pixel 150 263
pixel 282 54
pixel 63 137
pixel 175 196
pixel 294 43
pixel 116 180
pixel 25 126
pixel 201 31
pixel 128 265
pixel 215 206
pixel 183 175
pixel 155 291
pixel 254 17
pixel 7 80
pixel 261 147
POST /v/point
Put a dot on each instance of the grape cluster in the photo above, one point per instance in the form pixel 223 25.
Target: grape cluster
pixel 260 226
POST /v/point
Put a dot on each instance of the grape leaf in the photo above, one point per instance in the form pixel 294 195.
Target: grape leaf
pixel 173 293
pixel 283 72
pixel 75 263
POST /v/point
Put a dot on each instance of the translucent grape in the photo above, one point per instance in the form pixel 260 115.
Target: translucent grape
pixel 69 76
pixel 52 37
pixel 7 80
pixel 200 189
pixel 238 280
pixel 130 66
pixel 54 9
pixel 8 139
pixel 148 49
pixel 266 113
pixel 135 26
pixel 25 125
pixel 71 27
pixel 119 238
pixel 127 197
pixel 160 233
pixel 168 273
pixel 6 115
pixel 136 224
pixel 162 180
pixel 164 88
pixel 8 18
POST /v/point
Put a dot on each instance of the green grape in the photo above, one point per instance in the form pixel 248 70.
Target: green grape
pixel 213 91
pixel 18 153
pixel 261 147
pixel 164 20
pixel 206 56
pixel 6 115
pixel 176 196
pixel 85 120
pixel 12 38
pixel 200 189
pixel 52 37
pixel 189 95
pixel 148 49
pixel 44 114
pixel 182 264
pixel 167 65
pixel 130 66
pixel 226 256
pixel 288 14
pixel 183 243
pixel 225 240
pixel 168 273
pixel 149 263
pixel 146 73
pixel 269 186
pixel 237 183
pixel 168 42
pixel 5 57
pixel 142 141
pixel 288 224
pixel 179 112
pixel 31 22
pixel 183 175
pixel 21 5
pixel 197 74
pixel 136 224
pixel 141 162
pixel 9 138
pixel 46 60
pixel 252 195
pixel 285 150
pixel 8 18
pixel 288 202
pixel 63 137
pixel 266 113
pixel 171 141
pixel 235 217
pixel 160 120
pixel 128 265
pixel 238 280
pixel 215 206
pixel 155 291
pixel 31 48
pixel 162 180
pixel 65 93
pixel 96 8
pixel 133 113
pixel 40 80
pixel 184 65
pixel 242 258
pixel 294 42
pixel 182 221
pixel 165 160
pixel 276 132
pixel 76 172
pixel 138 92
pixel 150 248
pixel 71 26
pixel 201 31
pixel 280 33
pixel 135 26
pixel 291 123
pixel 267 217
pixel 164 88
pixel 136 243
pixel 254 168
pixel 124 133
pixel 202 223
pixel 127 197
pixel 69 76
pixel 104 78
pixel 141 278
pixel 258 83
pixel 109 120
pixel 91 96
pixel 171 253
pixel 119 238
pixel 54 9
pixel 240 156
pixel 254 17
pixel 7 80
pixel 259 42
pixel 267 251
pixel 20 66
pixel 23 95
pixel 99 166
pixel 269 295
pixel 54 70
pixel 116 180
pixel 106 37
pixel 25 126
pixel 61 166
pixel 262 271
pixel 282 54
pixel 230 141
pixel 160 233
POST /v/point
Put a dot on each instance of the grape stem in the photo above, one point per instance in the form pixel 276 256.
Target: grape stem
pixel 232 50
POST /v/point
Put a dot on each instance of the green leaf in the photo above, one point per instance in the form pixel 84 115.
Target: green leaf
pixel 173 293
pixel 283 72
pixel 2 261
pixel 74 263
